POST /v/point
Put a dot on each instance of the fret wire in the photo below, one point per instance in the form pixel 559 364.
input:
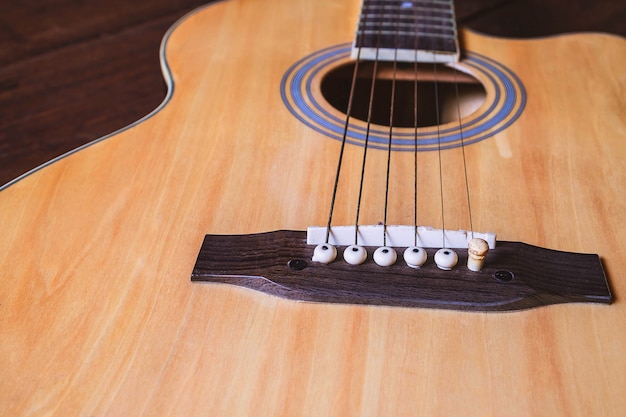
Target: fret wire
pixel 380 17
pixel 431 16
pixel 400 3
pixel 447 24
pixel 430 21
pixel 388 39
pixel 409 25
pixel 408 20
pixel 413 7
pixel 406 34
pixel 447 45
pixel 425 10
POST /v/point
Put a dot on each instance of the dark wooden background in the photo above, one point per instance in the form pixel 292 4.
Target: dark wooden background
pixel 74 70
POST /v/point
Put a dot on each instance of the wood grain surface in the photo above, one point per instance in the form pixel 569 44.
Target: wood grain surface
pixel 71 72
pixel 98 316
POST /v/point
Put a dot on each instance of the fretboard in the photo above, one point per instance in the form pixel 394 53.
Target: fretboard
pixel 419 30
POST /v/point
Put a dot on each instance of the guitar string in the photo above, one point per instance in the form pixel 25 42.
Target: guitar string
pixel 415 125
pixel 462 137
pixel 343 146
pixel 389 142
pixel 344 136
pixel 439 149
pixel 369 121
pixel 438 122
pixel 415 143
pixel 467 187
pixel 367 136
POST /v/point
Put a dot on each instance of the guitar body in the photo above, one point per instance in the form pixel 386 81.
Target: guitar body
pixel 98 315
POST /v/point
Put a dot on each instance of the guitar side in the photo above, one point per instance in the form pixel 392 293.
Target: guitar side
pixel 99 316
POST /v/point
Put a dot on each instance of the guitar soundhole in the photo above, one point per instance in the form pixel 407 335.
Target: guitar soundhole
pixel 436 93
pixel 315 90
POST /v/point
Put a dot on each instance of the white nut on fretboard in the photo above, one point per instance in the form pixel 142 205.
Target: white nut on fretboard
pixel 385 256
pixel 446 259
pixel 476 251
pixel 355 255
pixel 324 253
pixel 415 257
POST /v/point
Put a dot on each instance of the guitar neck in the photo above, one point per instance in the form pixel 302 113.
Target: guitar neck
pixel 409 31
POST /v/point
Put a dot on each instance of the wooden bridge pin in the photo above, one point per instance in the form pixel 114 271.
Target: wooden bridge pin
pixel 476 251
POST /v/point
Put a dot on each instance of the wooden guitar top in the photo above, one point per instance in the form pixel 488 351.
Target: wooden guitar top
pixel 98 315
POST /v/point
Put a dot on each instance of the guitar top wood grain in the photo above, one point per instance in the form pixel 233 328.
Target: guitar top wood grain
pixel 98 315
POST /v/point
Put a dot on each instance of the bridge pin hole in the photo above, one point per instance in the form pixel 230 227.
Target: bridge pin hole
pixel 297 264
pixel 504 276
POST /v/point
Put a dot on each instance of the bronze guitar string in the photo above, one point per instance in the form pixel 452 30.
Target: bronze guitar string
pixel 391 109
pixel 343 143
pixel 367 136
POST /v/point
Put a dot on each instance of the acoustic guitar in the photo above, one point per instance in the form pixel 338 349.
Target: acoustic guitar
pixel 181 266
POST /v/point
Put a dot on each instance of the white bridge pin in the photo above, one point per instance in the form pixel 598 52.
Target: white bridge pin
pixel 446 259
pixel 355 254
pixel 324 253
pixel 385 256
pixel 415 257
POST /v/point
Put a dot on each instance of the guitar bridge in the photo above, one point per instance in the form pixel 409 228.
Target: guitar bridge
pixel 515 276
